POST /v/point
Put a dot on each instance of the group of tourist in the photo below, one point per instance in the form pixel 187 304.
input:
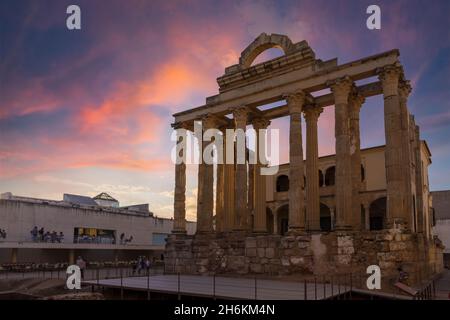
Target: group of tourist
pixel 39 235
pixel 124 240
pixel 2 234
pixel 142 263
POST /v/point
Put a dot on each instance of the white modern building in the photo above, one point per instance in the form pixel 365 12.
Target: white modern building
pixel 40 230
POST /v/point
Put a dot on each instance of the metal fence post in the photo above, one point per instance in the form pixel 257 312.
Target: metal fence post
pixel 339 287
pixel 324 287
pixel 305 289
pixel 121 284
pixel 179 295
pixel 315 288
pixel 256 289
pixel 214 286
pixel 351 285
pixel 332 288
pixel 148 284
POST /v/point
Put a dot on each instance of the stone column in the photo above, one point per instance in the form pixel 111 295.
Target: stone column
pixel 71 256
pixel 333 218
pixel 14 255
pixel 251 192
pixel 240 191
pixel 220 197
pixel 341 89
pixel 206 184
pixel 275 221
pixel 355 103
pixel 389 77
pixel 179 223
pixel 228 187
pixel 404 90
pixel 367 216
pixel 311 114
pixel 260 223
pixel 295 104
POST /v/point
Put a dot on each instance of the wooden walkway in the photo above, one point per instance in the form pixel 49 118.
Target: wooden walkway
pixel 225 287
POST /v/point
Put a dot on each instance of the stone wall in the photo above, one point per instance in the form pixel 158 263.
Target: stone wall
pixel 312 254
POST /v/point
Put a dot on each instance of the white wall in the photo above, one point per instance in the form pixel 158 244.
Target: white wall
pixel 18 218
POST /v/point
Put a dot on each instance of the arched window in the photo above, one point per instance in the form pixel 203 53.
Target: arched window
pixel 363 173
pixel 377 214
pixel 320 178
pixel 330 176
pixel 283 183
pixel 325 218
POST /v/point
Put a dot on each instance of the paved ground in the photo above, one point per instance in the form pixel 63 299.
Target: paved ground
pixel 224 287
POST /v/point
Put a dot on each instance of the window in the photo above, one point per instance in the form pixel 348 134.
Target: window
pixel 93 235
pixel 330 176
pixel 283 183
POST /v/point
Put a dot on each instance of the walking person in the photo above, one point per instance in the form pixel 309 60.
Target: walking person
pixel 34 234
pixel 82 265
pixel 148 265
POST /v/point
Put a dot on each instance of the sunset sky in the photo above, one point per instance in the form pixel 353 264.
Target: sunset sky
pixel 90 111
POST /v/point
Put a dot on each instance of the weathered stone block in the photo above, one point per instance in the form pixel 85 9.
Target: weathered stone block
pixel 250 243
pixel 250 252
pixel 261 252
pixel 256 268
pixel 270 252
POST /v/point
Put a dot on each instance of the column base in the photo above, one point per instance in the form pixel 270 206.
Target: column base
pixel 180 232
pixel 295 231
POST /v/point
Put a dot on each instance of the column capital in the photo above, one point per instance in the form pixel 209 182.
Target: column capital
pixel 260 123
pixel 240 115
pixel 356 101
pixel 183 125
pixel 295 101
pixel 209 121
pixel 341 89
pixel 312 112
pixel 404 89
pixel 389 77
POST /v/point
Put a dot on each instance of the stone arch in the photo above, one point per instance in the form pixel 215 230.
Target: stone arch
pixel 325 217
pixel 283 219
pixel 377 214
pixel 262 43
pixel 330 176
pixel 269 221
pixel 282 184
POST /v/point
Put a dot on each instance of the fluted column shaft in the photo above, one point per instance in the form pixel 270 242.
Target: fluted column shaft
pixel 395 173
pixel 205 201
pixel 240 192
pixel 220 196
pixel 311 114
pixel 341 89
pixel 355 104
pixel 179 213
pixel 228 182
pixel 296 181
pixel 404 91
pixel 260 223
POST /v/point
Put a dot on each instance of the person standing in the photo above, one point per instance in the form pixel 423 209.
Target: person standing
pixel 34 233
pixel 82 265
